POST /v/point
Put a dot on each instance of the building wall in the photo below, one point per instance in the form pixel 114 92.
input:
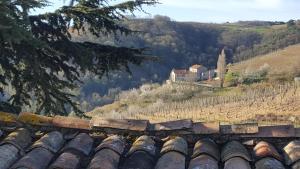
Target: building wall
pixel 200 73
pixel 173 76
pixel 193 75
pixel 177 77
pixel 193 70
pixel 198 70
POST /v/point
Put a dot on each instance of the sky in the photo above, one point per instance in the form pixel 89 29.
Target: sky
pixel 216 11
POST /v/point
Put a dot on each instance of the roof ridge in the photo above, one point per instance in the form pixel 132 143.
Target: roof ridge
pixel 184 127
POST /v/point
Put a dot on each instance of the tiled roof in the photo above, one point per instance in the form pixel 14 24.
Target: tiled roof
pixel 180 71
pixel 196 66
pixel 37 142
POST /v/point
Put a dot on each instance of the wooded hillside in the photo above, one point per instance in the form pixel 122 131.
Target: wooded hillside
pixel 181 44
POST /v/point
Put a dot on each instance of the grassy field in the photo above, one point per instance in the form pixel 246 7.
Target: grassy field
pixel 282 64
pixel 268 102
pixel 258 29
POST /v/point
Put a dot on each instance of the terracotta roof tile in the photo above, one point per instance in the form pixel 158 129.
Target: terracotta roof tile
pixel 264 149
pixel 173 154
pixel 206 128
pixel 203 162
pixel 67 160
pixel 52 141
pixel 21 138
pixel 71 122
pixel 234 149
pixel 34 119
pixel 250 128
pixel 105 159
pixel 139 160
pixel 171 160
pixel 296 165
pixel 8 155
pixel 147 149
pixel 38 158
pixel 177 144
pixel 143 143
pixel 115 143
pixel 108 153
pixel 82 143
pixel 134 125
pixel 269 163
pixel 141 154
pixel 112 154
pixel 275 131
pixel 208 147
pixel 173 125
pixel 292 152
pixel 8 118
pixel 237 163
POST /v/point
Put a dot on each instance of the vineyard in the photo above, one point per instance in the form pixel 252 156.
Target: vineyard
pixel 263 103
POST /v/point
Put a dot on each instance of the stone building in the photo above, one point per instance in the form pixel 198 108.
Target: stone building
pixel 200 71
pixel 195 73
pixel 178 75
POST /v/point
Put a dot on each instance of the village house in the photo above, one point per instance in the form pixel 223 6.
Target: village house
pixel 178 75
pixel 198 69
pixel 195 73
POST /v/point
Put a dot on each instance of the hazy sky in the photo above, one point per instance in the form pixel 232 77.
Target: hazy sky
pixel 219 10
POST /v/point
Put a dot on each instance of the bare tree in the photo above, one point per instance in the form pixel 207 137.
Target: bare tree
pixel 222 67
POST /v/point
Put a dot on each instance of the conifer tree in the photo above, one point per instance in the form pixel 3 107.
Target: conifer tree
pixel 39 59
pixel 222 67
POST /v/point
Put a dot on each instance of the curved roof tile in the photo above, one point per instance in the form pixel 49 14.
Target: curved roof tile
pixel 265 149
pixel 105 159
pixel 111 153
pixel 171 160
pixel 292 152
pixel 234 149
pixel 143 143
pixel 206 146
pixel 38 158
pixel 21 138
pixel 237 163
pixel 8 155
pixel 52 141
pixel 67 160
pixel 204 162
pixel 82 143
pixel 115 143
pixel 177 144
pixel 269 163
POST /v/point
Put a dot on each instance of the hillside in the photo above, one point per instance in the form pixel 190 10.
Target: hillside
pixel 243 103
pixel 179 45
pixel 275 104
pixel 281 64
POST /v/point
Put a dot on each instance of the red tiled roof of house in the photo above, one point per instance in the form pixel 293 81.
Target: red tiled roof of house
pixel 180 71
pixel 38 142
pixel 196 66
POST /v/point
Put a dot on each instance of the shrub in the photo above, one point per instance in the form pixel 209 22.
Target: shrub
pixel 250 77
pixel 232 79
